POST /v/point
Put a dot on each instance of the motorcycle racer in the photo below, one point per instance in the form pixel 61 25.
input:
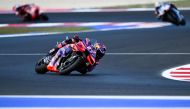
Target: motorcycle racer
pixel 24 10
pixel 159 9
pixel 97 50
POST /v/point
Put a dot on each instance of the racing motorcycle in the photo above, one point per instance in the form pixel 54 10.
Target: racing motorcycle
pixel 78 60
pixel 30 13
pixel 172 15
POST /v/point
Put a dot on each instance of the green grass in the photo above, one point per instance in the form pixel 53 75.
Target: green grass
pixel 182 3
pixel 14 30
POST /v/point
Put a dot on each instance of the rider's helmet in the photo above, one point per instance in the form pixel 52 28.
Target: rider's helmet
pixel 16 7
pixel 76 38
pixel 100 50
pixel 158 4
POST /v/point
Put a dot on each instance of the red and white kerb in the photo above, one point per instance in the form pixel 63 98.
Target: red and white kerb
pixel 181 73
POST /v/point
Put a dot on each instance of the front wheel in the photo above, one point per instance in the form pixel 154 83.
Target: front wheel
pixel 44 17
pixel 27 17
pixel 83 72
pixel 172 17
pixel 183 22
pixel 72 65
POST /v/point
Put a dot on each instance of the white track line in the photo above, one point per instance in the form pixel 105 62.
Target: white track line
pixel 148 53
pixel 28 34
pixel 100 97
pixel 94 108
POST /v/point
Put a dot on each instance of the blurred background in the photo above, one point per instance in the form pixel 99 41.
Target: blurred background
pixel 70 4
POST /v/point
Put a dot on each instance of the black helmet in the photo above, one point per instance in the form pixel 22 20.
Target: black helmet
pixel 76 38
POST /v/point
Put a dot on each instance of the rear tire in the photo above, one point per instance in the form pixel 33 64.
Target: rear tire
pixel 41 68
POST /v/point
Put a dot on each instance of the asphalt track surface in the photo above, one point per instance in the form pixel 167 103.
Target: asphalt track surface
pixel 116 74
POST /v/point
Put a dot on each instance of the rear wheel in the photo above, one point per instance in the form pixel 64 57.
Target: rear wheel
pixel 41 67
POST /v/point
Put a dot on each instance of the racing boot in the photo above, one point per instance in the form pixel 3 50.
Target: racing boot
pixel 52 68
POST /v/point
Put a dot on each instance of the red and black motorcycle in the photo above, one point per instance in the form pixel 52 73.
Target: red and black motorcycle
pixel 80 59
pixel 30 12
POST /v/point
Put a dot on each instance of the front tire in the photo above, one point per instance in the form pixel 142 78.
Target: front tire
pixel 71 67
pixel 28 17
pixel 44 17
pixel 83 72
pixel 183 22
